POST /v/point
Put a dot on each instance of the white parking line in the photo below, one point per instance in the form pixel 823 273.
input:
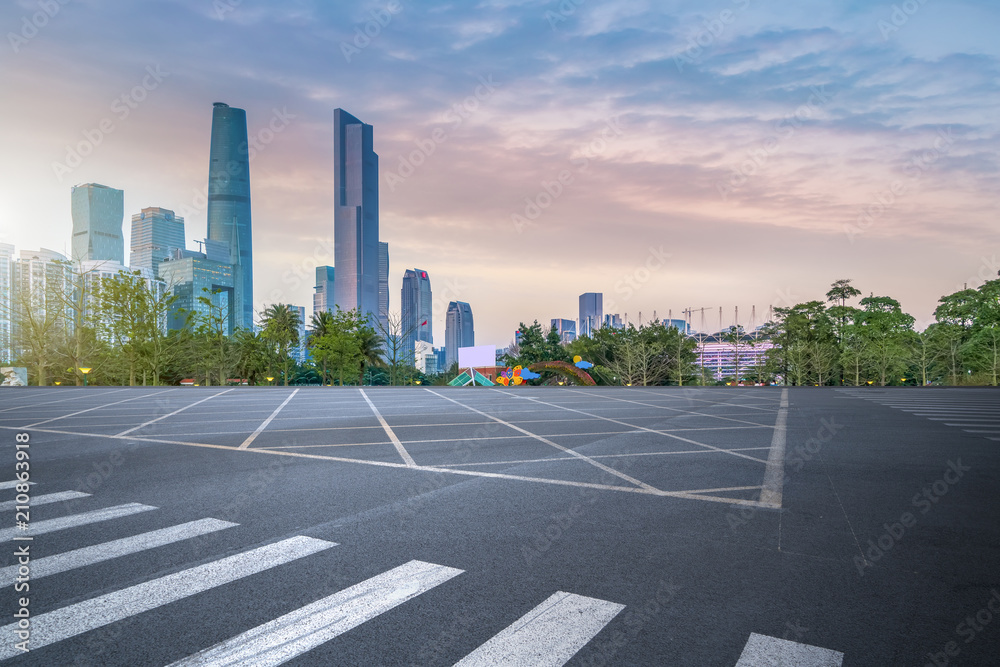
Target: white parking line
pixel 388 431
pixel 99 407
pixel 253 436
pixel 153 421
pixel 291 635
pixel 548 635
pixel 774 474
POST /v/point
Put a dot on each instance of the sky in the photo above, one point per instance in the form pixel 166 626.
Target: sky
pixel 670 154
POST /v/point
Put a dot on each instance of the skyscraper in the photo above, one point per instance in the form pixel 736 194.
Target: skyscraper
pixel 188 274
pixel 591 312
pixel 6 302
pixel 417 311
pixel 229 202
pixel 383 282
pixel 355 226
pixel 98 212
pixel 458 331
pixel 156 233
pixel 566 329
pixel 323 296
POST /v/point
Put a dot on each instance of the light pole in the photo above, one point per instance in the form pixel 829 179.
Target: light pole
pixel 85 372
pixel 270 379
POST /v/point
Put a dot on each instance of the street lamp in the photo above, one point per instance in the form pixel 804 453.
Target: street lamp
pixel 85 372
pixel 270 379
pixel 58 383
pixel 418 381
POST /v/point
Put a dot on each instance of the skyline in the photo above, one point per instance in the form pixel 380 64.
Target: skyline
pixel 877 107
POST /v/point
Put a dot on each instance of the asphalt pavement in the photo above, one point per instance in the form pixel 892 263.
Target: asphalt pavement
pixel 523 526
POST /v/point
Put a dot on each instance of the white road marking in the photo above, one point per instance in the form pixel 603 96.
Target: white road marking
pixel 153 421
pixel 291 635
pixel 11 484
pixel 661 407
pixel 74 520
pixel 71 560
pixel 45 499
pixel 764 651
pixel 548 635
pixel 569 451
pixel 32 404
pixel 260 429
pixel 389 432
pixel 99 407
pixel 66 622
pixel 774 474
pixel 595 456
pixel 666 433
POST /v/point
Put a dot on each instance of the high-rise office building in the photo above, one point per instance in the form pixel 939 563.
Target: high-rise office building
pixel 188 274
pixel 6 302
pixel 458 331
pixel 566 330
pixel 355 226
pixel 156 234
pixel 41 280
pixel 383 282
pixel 229 202
pixel 323 295
pixel 301 351
pixel 415 302
pixel 98 212
pixel 613 321
pixel 93 272
pixel 591 312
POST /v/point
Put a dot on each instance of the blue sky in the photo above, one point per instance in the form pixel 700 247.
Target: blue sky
pixel 669 154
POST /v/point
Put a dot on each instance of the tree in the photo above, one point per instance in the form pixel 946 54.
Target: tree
pixel 888 333
pixel 254 355
pixel 280 323
pixel 983 349
pixel 637 359
pixel 394 337
pixel 39 324
pixel 134 312
pixel 322 324
pixel 734 335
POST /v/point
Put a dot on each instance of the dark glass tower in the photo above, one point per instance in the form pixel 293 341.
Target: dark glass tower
pixel 416 310
pixel 355 225
pixel 459 331
pixel 229 202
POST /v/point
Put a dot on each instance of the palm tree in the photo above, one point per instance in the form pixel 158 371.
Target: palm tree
pixel 322 324
pixel 372 351
pixel 281 326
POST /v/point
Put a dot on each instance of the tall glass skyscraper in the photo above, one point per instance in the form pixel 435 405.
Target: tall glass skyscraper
pixel 98 212
pixel 591 312
pixel 156 234
pixel 383 282
pixel 355 225
pixel 229 202
pixel 458 331
pixel 323 290
pixel 417 311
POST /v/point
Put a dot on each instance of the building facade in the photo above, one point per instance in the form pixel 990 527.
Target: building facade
pixel 92 273
pixel 591 313
pixel 190 274
pixel 718 357
pixel 417 311
pixel 459 331
pixel 323 294
pixel 229 203
pixel 383 283
pixel 156 234
pixel 566 330
pixel 355 226
pixel 98 212
pixel 7 261
pixel 41 290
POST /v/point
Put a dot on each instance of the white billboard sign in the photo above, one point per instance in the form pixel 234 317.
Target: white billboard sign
pixel 474 357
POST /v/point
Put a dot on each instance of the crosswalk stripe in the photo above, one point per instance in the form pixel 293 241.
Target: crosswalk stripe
pixel 44 567
pixel 74 520
pixel 764 651
pixel 45 499
pixel 548 635
pixel 291 635
pixel 55 626
pixel 11 484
